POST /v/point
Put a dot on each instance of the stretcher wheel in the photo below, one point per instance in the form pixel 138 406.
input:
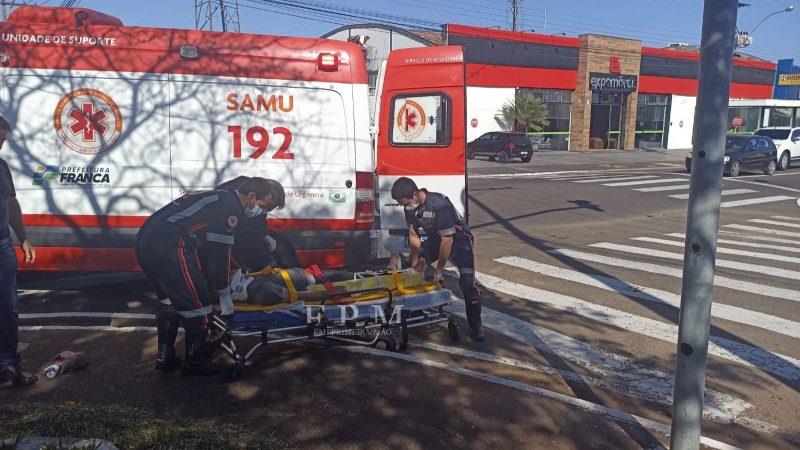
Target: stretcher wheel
pixel 234 372
pixel 452 331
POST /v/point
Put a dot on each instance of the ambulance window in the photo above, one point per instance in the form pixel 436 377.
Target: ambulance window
pixel 421 120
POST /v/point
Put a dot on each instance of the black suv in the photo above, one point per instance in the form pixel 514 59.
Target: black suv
pixel 746 153
pixel 501 146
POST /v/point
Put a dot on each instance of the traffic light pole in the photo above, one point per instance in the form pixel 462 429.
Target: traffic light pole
pixel 710 126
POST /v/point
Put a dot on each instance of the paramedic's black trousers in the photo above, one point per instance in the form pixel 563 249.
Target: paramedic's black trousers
pixel 175 272
pixel 463 256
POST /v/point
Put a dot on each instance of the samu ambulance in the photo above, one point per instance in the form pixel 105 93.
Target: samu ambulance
pixel 112 122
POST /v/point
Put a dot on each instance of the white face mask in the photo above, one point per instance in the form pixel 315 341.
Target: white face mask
pixel 255 211
pixel 411 206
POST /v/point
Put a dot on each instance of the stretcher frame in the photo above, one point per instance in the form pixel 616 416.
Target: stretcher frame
pixel 394 336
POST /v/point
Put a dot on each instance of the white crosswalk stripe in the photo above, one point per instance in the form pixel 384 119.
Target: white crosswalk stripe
pixel 728 251
pixel 637 183
pixel 724 192
pixel 774 222
pixel 722 311
pixel 764 270
pixel 743 286
pixel 598 180
pixel 679 187
pixel 757 238
pixel 755 201
pixel 763 230
pixel 786 218
pixel 744 354
pixel 722 240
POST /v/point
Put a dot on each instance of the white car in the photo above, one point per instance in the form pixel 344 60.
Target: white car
pixel 787 139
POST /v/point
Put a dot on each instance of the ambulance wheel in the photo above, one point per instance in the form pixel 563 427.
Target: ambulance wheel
pixel 391 345
pixel 452 331
pixel 503 156
pixel 234 373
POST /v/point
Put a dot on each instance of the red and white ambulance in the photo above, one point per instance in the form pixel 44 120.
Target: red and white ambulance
pixel 112 122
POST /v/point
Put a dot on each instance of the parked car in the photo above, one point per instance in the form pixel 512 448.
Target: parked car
pixel 746 153
pixel 502 146
pixel 787 140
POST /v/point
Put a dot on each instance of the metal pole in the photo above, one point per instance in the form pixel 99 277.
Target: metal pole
pixel 710 126
pixel 222 14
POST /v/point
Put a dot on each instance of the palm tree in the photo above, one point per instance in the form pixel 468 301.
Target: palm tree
pixel 526 111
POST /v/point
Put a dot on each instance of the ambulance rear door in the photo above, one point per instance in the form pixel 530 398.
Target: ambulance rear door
pixel 421 133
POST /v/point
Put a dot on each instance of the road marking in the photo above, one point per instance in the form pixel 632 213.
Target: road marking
pixel 638 379
pixel 773 186
pixel 729 251
pixel 774 222
pixel 763 230
pixel 764 270
pixel 84 328
pixel 745 286
pixel 725 192
pixel 749 244
pixel 785 218
pixel 636 183
pixel 92 315
pixel 755 201
pixel 656 392
pixel 664 397
pixel 523 174
pixel 719 310
pixel 758 238
pixel 616 415
pixel 679 187
pixel 748 355
pixel 598 180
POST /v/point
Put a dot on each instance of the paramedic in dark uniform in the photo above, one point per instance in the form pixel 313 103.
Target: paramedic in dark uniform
pixel 256 246
pixel 10 214
pixel 167 249
pixel 448 238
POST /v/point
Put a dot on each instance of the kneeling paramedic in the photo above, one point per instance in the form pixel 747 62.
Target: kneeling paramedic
pixel 448 238
pixel 167 249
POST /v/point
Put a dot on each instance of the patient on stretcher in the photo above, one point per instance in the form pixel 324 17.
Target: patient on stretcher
pixel 271 289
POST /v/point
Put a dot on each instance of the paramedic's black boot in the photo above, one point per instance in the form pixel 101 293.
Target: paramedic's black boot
pixel 197 360
pixel 167 321
pixel 476 333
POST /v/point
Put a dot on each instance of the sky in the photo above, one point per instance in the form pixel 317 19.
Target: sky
pixel 655 22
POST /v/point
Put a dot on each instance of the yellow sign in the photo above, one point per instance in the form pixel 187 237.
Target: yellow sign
pixel 789 79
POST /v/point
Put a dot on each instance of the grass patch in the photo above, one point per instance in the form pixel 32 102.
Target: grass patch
pixel 128 428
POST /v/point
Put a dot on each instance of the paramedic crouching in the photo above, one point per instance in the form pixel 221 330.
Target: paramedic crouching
pixel 448 238
pixel 168 250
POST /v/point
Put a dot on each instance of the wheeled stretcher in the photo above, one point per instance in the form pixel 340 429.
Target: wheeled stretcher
pixel 370 309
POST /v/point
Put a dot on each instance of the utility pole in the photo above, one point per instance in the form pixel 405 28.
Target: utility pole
pixel 710 127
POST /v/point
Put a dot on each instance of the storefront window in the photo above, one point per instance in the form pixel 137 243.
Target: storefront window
pixel 555 135
pixel 750 116
pixel 651 114
pixel 780 117
pixel 796 122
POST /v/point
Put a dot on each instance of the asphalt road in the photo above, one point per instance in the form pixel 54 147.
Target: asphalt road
pixel 580 257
